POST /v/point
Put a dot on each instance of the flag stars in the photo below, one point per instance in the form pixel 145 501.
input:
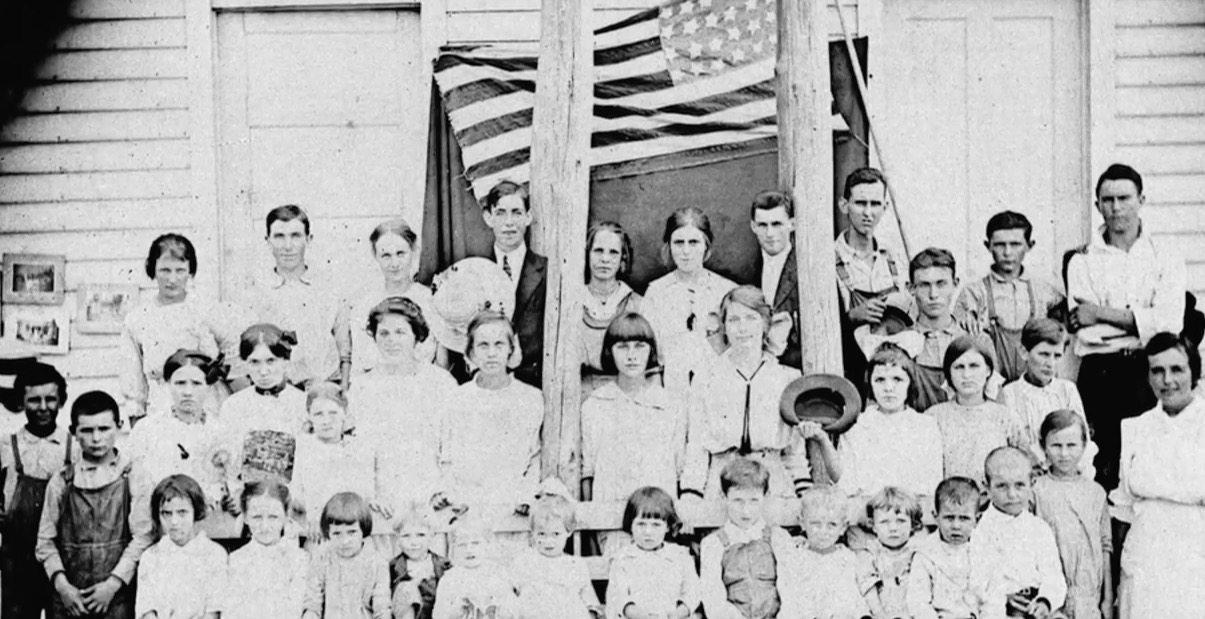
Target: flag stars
pixel 738 55
pixel 695 49
pixel 697 68
pixel 716 45
pixel 671 53
pixel 734 34
pixel 730 13
pixel 750 5
pixel 690 27
pixel 712 20
pixel 754 26
pixel 688 7
pixel 758 48
pixel 717 65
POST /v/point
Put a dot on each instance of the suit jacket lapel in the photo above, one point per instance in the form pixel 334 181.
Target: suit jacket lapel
pixel 787 282
pixel 529 279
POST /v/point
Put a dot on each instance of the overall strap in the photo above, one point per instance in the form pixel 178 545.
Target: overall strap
pixel 67 455
pixel 722 535
pixel 1033 301
pixel 843 274
pixel 895 273
pixel 991 298
pixel 17 465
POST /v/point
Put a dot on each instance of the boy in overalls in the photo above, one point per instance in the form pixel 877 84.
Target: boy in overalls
pixel 739 562
pixel 28 459
pixel 96 520
pixel 934 280
pixel 866 270
pixel 1005 299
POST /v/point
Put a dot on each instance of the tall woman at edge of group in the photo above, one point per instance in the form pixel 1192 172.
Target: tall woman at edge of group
pixel 608 295
pixel 737 411
pixel 1161 494
pixel 683 305
pixel 395 248
pixel 172 321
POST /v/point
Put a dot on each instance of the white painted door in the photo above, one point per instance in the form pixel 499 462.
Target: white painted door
pixel 980 107
pixel 326 110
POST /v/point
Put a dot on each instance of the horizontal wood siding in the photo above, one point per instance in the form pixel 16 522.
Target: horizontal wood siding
pixel 96 164
pixel 518 21
pixel 1160 118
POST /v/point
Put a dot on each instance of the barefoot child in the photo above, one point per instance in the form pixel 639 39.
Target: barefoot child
pixel 650 576
pixel 971 425
pixel 184 574
pixel 552 584
pixel 1040 391
pixel 96 520
pixel 1075 508
pixel 416 571
pixel 739 562
pixel 894 516
pixel 347 578
pixel 476 587
pixel 1006 298
pixel 821 581
pixel 1015 567
pixel 939 583
pixel 268 574
pixel 891 444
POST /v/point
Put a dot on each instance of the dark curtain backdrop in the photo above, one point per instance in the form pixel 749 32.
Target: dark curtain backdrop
pixel 453 228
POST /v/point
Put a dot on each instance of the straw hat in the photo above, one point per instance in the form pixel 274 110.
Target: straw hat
pixel 463 290
pixel 828 399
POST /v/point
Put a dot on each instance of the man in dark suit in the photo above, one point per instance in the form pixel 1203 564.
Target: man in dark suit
pixel 507 212
pixel 772 218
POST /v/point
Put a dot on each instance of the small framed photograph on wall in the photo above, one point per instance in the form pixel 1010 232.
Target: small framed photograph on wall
pixel 34 279
pixel 103 307
pixel 44 330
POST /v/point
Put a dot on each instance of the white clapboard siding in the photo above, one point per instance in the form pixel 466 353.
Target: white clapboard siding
pixel 518 21
pixel 1159 124
pixel 96 163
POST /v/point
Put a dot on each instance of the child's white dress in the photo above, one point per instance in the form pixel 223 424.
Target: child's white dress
pixel 654 580
pixel 260 433
pixel 267 581
pixel 901 449
pixel 821 585
pixel 182 581
pixel 324 469
pixel 468 593
pixel 553 587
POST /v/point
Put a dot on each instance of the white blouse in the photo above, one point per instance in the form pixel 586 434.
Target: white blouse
pixel 682 314
pixel 901 449
pixel 632 440
pixel 352 329
pixel 267 581
pixel 253 420
pixel 322 469
pixel 182 581
pixel 165 445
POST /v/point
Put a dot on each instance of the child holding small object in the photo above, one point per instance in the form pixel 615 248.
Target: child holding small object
pixel 652 577
pixel 475 587
pixel 347 577
pixel 268 574
pixel 1076 509
pixel 1015 566
pixel 939 582
pixel 184 574
pixel 894 515
pixel 552 584
pixel 415 572
pixel 820 582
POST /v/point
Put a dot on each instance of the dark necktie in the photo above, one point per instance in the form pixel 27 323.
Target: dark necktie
pixel 746 446
pixel 506 268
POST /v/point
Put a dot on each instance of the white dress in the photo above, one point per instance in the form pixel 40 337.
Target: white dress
pixel 1162 496
pixel 260 432
pixel 352 328
pixel 323 469
pixel 165 445
pixel 632 441
pixel 553 587
pixel 267 581
pixel 681 315
pixel 401 417
pixel 901 449
pixel 182 581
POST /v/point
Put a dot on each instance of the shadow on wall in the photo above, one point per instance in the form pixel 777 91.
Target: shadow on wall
pixel 27 34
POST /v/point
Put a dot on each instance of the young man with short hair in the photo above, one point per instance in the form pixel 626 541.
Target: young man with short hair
pixel 296 297
pixel 96 520
pixel 772 219
pixel 506 209
pixel 28 459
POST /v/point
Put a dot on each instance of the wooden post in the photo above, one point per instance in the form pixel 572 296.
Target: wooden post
pixel 805 171
pixel 560 192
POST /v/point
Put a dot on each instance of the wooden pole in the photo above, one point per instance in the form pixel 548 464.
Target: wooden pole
pixel 805 171
pixel 560 192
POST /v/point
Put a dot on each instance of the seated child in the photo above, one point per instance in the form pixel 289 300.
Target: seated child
pixel 739 562
pixel 1040 391
pixel 891 444
pixel 649 576
pixel 415 572
pixel 347 577
pixel 268 574
pixel 552 584
pixel 1015 566
pixel 971 425
pixel 1005 299
pixel 184 573
pixel 939 583
pixel 894 515
pixel 1075 508
pixel 475 587
pixel 820 580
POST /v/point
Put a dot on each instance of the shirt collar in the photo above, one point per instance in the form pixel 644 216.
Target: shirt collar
pixel 57 437
pixel 999 279
pixel 118 461
pixel 738 535
pixel 926 330
pixel 278 280
pixel 632 550
pixel 171 548
pixel 1100 243
pixel 514 257
pixel 777 260
pixel 847 251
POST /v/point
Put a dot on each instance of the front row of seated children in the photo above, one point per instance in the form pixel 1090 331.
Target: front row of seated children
pixel 993 562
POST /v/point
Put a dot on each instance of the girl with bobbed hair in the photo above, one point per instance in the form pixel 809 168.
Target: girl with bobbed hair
pixel 683 305
pixel 173 320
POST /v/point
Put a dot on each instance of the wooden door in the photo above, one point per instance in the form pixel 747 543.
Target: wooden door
pixel 981 108
pixel 321 109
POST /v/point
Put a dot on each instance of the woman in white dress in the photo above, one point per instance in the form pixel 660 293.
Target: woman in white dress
pixel 173 320
pixel 1162 490
pixel 608 263
pixel 683 306
pixel 398 405
pixel 395 248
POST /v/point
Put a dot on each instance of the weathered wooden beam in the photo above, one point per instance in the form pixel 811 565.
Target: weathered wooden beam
pixel 560 192
pixel 805 171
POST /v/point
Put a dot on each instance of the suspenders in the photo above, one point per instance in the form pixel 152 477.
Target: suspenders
pixel 20 467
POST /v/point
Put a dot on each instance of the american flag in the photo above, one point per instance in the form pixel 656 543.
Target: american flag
pixel 691 76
